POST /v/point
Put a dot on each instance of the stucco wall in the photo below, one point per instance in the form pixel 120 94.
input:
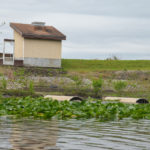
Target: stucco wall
pixel 18 51
pixel 34 48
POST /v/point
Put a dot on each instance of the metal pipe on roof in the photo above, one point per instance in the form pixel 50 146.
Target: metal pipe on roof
pixel 36 23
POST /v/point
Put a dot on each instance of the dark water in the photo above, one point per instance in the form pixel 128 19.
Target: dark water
pixel 74 135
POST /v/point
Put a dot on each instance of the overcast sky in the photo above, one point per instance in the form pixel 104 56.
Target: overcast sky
pixel 95 29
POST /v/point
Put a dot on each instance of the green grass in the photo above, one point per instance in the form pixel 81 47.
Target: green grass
pixel 77 65
pixel 99 65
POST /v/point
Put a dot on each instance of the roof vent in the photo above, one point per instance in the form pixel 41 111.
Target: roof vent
pixel 38 23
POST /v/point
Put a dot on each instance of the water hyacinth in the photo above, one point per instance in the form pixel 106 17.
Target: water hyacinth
pixel 41 108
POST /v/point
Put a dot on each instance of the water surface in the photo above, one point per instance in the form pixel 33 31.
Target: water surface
pixel 74 134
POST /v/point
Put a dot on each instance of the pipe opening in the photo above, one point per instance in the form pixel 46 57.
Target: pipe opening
pixel 142 101
pixel 76 98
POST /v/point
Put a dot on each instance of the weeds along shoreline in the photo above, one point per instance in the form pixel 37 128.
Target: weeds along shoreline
pixel 96 88
pixel 40 108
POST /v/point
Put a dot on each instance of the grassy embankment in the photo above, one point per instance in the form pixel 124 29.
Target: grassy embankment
pixel 136 73
pixel 104 65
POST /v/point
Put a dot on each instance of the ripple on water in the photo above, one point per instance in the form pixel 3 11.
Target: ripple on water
pixel 74 134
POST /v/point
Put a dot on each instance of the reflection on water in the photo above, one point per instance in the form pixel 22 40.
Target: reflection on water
pixel 74 135
pixel 28 134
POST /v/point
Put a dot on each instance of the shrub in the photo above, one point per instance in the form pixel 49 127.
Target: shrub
pixel 119 86
pixel 97 86
pixel 77 80
pixel 31 87
pixel 78 84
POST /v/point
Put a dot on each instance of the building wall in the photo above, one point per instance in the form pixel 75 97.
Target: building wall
pixel 19 42
pixel 34 52
pixel 42 53
pixel 35 48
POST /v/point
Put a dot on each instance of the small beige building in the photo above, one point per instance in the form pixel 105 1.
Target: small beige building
pixel 37 45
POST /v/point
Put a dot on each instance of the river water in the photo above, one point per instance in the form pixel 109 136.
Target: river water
pixel 74 135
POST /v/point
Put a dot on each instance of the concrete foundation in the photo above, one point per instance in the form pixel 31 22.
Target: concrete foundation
pixel 42 62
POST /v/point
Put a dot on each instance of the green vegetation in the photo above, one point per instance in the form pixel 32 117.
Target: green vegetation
pixel 99 65
pixel 31 87
pixel 119 86
pixel 18 93
pixel 47 109
pixel 76 78
pixel 4 83
pixel 78 65
pixel 97 86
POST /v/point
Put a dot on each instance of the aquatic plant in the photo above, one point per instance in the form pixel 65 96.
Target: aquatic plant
pixel 41 108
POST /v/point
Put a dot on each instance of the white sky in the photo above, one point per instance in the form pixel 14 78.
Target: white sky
pixel 95 29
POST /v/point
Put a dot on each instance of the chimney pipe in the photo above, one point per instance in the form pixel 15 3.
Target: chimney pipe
pixel 38 23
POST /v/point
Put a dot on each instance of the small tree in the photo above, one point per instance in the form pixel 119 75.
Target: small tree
pixel 97 86
pixel 119 86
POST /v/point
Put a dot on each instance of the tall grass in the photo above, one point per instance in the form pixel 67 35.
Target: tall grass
pixel 31 86
pixel 4 83
pixel 119 86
